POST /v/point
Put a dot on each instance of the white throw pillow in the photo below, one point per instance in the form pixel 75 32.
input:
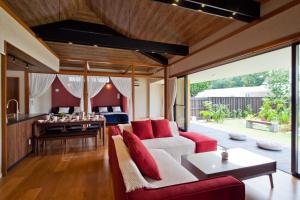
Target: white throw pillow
pixel 103 109
pixel 116 109
pixel 133 179
pixel 77 109
pixel 174 128
pixel 64 110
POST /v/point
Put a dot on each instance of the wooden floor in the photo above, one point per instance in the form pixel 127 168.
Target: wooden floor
pixel 83 173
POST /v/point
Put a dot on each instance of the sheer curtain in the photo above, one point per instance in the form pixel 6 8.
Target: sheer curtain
pixel 172 92
pixel 95 85
pixel 74 85
pixel 124 87
pixel 39 84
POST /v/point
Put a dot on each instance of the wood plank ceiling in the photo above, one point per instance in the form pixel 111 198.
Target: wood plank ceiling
pixel 138 19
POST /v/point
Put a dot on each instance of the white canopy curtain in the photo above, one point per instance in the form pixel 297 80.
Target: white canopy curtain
pixel 74 85
pixel 39 84
pixel 172 92
pixel 95 85
pixel 124 87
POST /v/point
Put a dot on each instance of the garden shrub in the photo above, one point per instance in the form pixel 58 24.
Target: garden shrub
pixel 275 110
pixel 220 113
pixel 208 110
pixel 248 111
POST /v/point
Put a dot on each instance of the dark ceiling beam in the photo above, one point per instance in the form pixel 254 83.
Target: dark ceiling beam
pixel 243 10
pixel 84 38
pixel 96 34
pixel 95 28
pixel 156 57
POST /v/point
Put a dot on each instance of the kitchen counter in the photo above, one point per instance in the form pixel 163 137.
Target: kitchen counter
pixel 23 117
pixel 20 136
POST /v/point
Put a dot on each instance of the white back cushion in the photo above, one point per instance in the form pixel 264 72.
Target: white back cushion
pixel 133 179
pixel 176 146
pixel 174 128
pixel 126 127
pixel 103 109
pixel 63 109
pixel 116 109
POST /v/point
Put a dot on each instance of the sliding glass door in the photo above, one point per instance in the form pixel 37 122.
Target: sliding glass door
pixel 181 103
pixel 296 110
pixel 297 62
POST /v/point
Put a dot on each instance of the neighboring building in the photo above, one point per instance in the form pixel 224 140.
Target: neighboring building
pixel 258 91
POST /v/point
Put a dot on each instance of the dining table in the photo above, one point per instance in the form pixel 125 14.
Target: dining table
pixel 66 122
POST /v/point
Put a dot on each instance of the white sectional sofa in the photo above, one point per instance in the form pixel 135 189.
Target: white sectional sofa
pixel 176 146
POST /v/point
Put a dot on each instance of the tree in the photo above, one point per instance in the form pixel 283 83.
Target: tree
pixel 199 87
pixel 256 79
pixel 278 82
pixel 250 80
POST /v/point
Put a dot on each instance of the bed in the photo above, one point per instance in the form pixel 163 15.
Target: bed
pixel 113 118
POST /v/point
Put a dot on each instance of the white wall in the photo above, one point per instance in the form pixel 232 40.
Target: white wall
pixel 141 99
pixel 20 75
pixel 42 104
pixel 15 34
pixel 156 100
pixel 0 125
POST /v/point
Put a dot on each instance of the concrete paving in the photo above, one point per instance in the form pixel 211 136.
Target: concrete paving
pixel 282 157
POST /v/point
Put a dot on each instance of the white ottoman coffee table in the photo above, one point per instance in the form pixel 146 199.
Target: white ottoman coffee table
pixel 269 145
pixel 237 136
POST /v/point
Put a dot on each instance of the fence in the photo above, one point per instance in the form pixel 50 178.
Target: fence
pixel 233 103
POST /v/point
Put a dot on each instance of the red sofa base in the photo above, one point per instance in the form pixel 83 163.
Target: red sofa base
pixel 203 143
pixel 225 188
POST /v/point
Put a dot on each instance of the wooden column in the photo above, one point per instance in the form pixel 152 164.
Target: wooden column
pixel 133 92
pixel 4 114
pixel 26 77
pixel 148 98
pixel 188 102
pixel 85 88
pixel 166 76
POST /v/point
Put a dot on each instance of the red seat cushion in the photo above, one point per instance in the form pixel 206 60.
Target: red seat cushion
pixel 161 128
pixel 143 129
pixel 203 143
pixel 141 156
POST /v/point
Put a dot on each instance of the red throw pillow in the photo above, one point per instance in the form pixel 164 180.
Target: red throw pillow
pixel 143 129
pixel 161 128
pixel 141 156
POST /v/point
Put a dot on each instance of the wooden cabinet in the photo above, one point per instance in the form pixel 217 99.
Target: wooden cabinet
pixel 19 140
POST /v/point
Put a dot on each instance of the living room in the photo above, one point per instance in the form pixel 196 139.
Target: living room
pixel 96 92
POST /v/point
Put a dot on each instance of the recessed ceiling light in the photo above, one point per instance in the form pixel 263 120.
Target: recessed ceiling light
pixel 174 4
pixel 95 45
pixel 230 17
pixel 200 10
pixel 137 50
pixel 203 5
pixel 70 42
pixel 234 13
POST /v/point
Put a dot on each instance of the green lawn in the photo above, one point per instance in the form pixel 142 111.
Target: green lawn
pixel 260 131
